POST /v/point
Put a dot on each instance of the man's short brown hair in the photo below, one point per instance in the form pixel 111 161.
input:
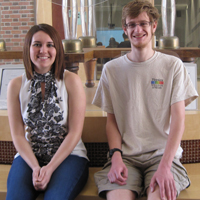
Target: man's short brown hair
pixel 134 8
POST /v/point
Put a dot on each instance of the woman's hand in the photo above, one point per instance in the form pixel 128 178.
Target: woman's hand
pixel 41 181
pixel 35 176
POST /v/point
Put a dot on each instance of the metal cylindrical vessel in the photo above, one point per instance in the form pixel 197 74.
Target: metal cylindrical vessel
pixel 168 40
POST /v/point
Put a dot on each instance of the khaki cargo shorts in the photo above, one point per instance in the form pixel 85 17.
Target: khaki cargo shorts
pixel 139 176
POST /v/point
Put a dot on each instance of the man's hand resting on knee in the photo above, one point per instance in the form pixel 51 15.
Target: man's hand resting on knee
pixel 118 172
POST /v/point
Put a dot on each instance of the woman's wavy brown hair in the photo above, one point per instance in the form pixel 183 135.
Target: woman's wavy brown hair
pixel 59 63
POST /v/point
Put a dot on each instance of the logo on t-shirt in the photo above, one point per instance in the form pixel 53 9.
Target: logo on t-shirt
pixel 157 83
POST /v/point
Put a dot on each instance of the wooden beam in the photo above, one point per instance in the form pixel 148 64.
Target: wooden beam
pixel 90 53
pixel 11 54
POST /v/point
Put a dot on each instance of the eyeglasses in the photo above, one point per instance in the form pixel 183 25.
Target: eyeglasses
pixel 133 25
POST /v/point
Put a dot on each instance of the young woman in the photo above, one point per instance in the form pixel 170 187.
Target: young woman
pixel 46 109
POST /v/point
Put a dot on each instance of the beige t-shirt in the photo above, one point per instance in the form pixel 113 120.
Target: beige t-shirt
pixel 140 96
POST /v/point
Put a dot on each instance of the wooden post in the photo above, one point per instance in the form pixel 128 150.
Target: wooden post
pixel 152 1
pixel 89 72
pixel 72 67
pixel 43 11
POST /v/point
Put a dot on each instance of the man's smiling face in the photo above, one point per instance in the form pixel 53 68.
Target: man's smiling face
pixel 140 30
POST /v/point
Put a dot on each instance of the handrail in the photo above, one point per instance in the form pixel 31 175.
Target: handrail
pixel 99 52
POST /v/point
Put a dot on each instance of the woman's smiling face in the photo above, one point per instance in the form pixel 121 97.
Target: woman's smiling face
pixel 42 52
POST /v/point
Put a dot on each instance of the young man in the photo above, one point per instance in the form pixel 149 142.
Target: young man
pixel 144 94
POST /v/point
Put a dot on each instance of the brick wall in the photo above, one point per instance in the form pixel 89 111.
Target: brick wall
pixel 16 17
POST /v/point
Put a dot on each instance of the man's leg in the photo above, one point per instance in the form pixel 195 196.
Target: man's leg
pixel 114 191
pixel 153 195
pixel 121 194
pixel 179 174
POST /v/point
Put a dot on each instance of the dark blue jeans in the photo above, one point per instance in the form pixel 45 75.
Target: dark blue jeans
pixel 66 182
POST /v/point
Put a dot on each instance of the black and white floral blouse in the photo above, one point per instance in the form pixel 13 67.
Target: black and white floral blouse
pixel 46 119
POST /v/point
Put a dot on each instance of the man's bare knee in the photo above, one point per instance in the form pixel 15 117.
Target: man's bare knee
pixel 155 195
pixel 119 194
